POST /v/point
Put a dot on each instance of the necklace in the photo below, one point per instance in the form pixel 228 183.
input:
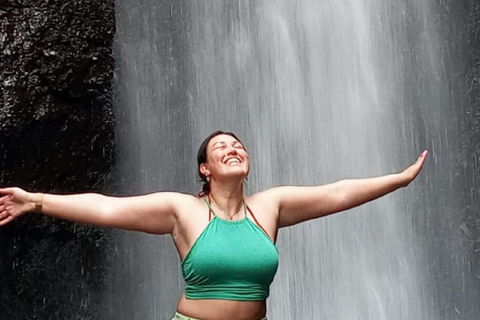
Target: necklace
pixel 223 212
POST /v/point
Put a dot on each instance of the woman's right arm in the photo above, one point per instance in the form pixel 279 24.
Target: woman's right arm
pixel 152 213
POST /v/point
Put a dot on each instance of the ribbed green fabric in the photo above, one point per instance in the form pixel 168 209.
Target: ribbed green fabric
pixel 231 260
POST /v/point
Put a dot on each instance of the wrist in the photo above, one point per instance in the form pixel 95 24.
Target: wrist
pixel 403 179
pixel 35 202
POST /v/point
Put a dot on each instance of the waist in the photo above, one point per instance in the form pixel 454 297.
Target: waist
pixel 233 290
pixel 212 309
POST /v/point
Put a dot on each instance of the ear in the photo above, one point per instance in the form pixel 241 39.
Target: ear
pixel 204 169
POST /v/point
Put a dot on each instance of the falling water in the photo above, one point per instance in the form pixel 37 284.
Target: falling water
pixel 318 91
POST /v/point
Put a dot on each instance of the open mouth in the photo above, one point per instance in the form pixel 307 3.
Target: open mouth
pixel 232 160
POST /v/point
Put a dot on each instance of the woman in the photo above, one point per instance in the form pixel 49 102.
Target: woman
pixel 225 239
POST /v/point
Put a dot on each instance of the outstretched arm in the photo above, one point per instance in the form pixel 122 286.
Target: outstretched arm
pixel 298 204
pixel 152 213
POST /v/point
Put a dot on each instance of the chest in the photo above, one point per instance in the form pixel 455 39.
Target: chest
pixel 192 222
pixel 225 249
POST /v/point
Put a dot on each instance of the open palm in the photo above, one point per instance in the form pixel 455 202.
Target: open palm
pixel 412 172
pixel 13 203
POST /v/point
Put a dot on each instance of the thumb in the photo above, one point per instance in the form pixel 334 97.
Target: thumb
pixel 7 191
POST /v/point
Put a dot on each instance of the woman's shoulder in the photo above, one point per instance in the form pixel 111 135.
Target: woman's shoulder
pixel 264 201
pixel 267 195
pixel 185 201
pixel 176 200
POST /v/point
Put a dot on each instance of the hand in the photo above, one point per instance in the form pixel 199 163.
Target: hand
pixel 14 203
pixel 412 172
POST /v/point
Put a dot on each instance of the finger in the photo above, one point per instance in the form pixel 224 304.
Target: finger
pixel 6 191
pixel 424 156
pixel 4 199
pixel 7 220
pixel 3 215
pixel 421 159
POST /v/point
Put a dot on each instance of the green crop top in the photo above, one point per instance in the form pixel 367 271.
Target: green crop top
pixel 230 260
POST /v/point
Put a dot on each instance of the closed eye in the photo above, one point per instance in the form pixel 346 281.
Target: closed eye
pixel 223 145
pixel 237 145
pixel 219 145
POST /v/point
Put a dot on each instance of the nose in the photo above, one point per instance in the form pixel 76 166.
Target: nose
pixel 231 150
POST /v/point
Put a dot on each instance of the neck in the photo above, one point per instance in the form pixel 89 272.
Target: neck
pixel 228 197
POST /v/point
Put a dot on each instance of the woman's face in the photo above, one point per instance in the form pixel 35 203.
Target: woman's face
pixel 226 157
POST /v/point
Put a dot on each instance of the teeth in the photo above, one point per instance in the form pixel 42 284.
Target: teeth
pixel 232 160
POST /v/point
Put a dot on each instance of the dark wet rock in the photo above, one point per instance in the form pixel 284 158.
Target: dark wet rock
pixel 56 135
pixel 56 120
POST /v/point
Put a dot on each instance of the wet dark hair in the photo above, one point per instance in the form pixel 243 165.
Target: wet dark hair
pixel 202 158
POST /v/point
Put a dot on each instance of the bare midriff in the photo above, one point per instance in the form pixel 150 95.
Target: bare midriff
pixel 211 309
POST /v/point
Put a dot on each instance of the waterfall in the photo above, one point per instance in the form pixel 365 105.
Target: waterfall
pixel 318 91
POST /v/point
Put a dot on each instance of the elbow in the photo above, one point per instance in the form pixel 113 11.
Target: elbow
pixel 343 199
pixel 106 211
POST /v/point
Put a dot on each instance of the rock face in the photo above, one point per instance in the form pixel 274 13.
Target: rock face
pixel 56 122
pixel 56 135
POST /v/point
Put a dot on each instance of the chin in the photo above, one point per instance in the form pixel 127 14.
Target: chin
pixel 236 173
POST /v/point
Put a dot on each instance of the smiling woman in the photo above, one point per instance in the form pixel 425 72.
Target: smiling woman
pixel 226 240
pixel 218 145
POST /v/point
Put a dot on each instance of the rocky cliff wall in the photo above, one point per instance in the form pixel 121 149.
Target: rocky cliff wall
pixel 56 135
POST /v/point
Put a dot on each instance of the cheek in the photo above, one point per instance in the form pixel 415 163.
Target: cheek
pixel 247 166
pixel 214 159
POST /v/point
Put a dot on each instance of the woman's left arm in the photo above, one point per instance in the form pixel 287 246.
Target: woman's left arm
pixel 298 204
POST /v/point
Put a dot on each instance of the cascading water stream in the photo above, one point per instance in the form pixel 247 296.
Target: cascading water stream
pixel 318 91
